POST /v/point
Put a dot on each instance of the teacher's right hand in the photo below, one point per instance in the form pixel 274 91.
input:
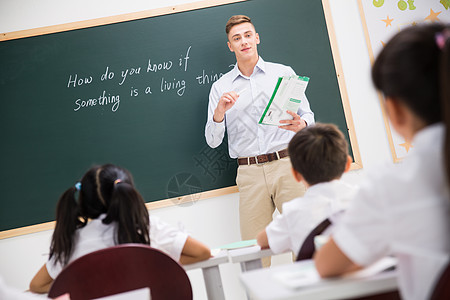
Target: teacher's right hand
pixel 225 103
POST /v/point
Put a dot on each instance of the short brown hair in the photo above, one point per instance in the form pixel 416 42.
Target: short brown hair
pixel 236 20
pixel 319 153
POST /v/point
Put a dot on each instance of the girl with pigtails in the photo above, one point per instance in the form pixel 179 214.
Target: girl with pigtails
pixel 404 210
pixel 104 209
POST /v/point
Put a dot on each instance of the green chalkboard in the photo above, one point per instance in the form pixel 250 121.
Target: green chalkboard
pixel 135 94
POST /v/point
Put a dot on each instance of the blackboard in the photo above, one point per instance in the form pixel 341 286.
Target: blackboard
pixel 135 94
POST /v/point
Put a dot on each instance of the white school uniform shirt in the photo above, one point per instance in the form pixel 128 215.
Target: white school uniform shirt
pixel 96 235
pixel 301 215
pixel 403 210
pixel 245 136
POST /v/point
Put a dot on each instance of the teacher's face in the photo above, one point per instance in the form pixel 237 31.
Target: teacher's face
pixel 243 41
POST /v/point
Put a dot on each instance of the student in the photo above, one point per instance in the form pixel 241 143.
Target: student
pixel 319 157
pixel 404 209
pixel 236 102
pixel 109 211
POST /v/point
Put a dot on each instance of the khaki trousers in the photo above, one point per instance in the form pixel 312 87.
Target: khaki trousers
pixel 262 188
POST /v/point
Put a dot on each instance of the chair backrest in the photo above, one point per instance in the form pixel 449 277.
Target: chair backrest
pixel 123 268
pixel 307 249
pixel 442 287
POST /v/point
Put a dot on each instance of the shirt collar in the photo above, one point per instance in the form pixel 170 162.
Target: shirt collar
pixel 260 65
pixel 429 135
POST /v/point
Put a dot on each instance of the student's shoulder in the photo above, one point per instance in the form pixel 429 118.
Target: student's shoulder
pixel 295 205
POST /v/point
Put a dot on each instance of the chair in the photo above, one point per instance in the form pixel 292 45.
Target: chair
pixel 442 287
pixel 307 249
pixel 120 269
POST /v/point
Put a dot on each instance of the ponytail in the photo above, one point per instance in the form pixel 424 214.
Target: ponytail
pixel 128 209
pixel 444 45
pixel 67 221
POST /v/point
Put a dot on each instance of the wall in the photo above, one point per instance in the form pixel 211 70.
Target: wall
pixel 214 221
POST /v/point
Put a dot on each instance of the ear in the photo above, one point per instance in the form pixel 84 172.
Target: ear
pixel 297 176
pixel 229 46
pixel 257 38
pixel 348 164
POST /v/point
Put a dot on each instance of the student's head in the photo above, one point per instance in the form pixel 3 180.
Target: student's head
pixel 408 71
pixel 319 153
pixel 412 71
pixel 108 190
pixel 242 37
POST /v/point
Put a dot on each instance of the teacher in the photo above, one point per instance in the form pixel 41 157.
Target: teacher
pixel 236 103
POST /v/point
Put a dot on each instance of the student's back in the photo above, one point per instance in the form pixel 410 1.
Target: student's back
pixel 404 209
pixel 319 157
pixel 105 209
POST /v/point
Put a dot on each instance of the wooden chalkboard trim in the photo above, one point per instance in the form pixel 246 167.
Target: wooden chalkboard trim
pixel 357 164
pixel 113 19
pixel 380 96
pixel 150 206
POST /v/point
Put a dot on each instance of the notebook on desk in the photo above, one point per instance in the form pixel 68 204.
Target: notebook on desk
pixel 306 274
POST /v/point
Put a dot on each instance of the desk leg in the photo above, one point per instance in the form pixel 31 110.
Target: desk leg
pixel 251 265
pixel 213 283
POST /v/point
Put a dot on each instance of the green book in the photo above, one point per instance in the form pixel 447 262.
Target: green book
pixel 287 95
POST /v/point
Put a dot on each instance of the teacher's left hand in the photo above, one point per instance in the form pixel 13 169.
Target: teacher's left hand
pixel 294 125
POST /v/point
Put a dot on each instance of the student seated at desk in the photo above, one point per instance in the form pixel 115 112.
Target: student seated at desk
pixel 107 211
pixel 319 157
pixel 404 209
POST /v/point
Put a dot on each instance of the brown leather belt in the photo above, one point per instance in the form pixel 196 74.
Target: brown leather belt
pixel 263 158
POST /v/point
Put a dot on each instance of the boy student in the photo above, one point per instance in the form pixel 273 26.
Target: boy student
pixel 405 210
pixel 319 156
pixel 236 102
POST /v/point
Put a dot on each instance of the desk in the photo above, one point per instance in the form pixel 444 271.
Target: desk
pixel 211 274
pixel 261 285
pixel 249 258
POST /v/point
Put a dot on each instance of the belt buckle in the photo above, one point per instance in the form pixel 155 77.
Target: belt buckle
pixel 256 159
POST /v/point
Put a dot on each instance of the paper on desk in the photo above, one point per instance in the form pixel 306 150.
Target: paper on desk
pixel 306 274
pixel 375 268
pixel 287 96
pixel 240 244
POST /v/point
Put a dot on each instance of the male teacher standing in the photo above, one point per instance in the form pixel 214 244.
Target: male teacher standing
pixel 236 102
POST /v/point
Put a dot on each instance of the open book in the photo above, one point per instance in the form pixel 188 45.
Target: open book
pixel 288 94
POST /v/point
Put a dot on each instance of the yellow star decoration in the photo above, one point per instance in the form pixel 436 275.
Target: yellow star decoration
pixel 407 146
pixel 433 16
pixel 388 21
pixel 413 24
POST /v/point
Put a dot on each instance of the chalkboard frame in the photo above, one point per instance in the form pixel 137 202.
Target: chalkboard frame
pixel 357 164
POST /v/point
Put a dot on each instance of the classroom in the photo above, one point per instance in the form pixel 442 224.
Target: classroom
pixel 211 217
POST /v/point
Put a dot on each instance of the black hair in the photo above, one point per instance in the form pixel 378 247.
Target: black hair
pixel 106 189
pixel 414 68
pixel 319 153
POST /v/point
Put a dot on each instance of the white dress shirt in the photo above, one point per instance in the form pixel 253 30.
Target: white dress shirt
pixel 96 235
pixel 403 210
pixel 245 136
pixel 301 215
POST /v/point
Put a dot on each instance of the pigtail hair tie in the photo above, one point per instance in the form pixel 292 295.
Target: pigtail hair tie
pixel 117 181
pixel 442 38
